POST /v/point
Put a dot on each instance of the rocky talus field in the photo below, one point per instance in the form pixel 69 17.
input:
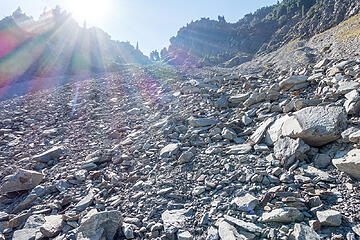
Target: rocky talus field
pixel 158 153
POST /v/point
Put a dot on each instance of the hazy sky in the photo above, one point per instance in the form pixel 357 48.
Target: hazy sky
pixel 150 22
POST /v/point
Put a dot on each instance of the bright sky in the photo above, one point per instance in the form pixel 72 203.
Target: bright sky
pixel 150 22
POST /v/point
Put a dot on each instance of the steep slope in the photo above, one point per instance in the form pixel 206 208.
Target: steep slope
pixel 213 42
pixel 158 153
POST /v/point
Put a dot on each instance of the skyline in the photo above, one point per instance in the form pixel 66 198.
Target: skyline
pixel 150 24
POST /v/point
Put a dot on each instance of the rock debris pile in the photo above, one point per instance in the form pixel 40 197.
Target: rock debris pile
pixel 158 153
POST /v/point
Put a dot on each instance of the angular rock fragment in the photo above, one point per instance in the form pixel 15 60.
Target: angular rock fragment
pixel 330 218
pixel 304 232
pixel 288 150
pixel 239 149
pixel 283 215
pixel 258 135
pixel 349 164
pixel 317 126
pixel 292 81
pixel 246 203
pixel 22 180
pixel 352 103
pixel 169 150
pixel 52 226
pixel 202 122
pixel 176 218
pixel 99 226
pixel 52 154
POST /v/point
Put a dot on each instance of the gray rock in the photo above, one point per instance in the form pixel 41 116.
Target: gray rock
pixel 52 226
pixel 229 232
pixel 85 202
pixel 239 149
pixel 22 180
pixel 25 234
pixel 330 218
pixel 185 157
pixel 169 150
pixel 258 135
pixel 247 226
pixel 212 234
pixel 184 235
pixel 274 132
pixel 349 164
pixel 228 134
pixel 99 226
pixel 52 154
pixel 322 160
pixel 288 150
pixel 176 218
pixel 283 215
pixel 352 103
pixel 292 81
pixel 246 203
pixel 202 122
pixel 317 126
pixel 304 232
pixel 254 98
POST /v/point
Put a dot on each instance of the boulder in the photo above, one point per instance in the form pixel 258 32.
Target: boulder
pixel 329 218
pixel 255 98
pixel 247 226
pixel 352 103
pixel 288 150
pixel 229 232
pixel 51 154
pixel 22 180
pixel 258 135
pixel 317 126
pixel 349 164
pixel 99 226
pixel 304 232
pixel 176 218
pixel 202 122
pixel 169 150
pixel 283 215
pixel 25 234
pixel 290 82
pixel 246 203
pixel 52 226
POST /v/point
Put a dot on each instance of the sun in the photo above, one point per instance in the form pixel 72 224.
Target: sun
pixel 88 10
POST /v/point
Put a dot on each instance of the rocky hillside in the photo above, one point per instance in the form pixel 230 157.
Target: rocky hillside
pixel 56 45
pixel 212 42
pixel 159 153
